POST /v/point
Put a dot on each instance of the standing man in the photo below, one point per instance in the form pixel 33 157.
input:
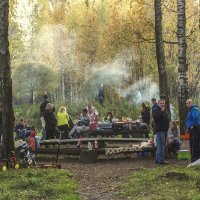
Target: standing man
pixel 193 126
pixel 42 110
pixel 161 126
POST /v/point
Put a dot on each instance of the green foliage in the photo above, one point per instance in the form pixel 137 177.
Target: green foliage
pixel 117 105
pixel 37 184
pixel 113 103
pixel 172 182
pixel 33 77
pixel 30 113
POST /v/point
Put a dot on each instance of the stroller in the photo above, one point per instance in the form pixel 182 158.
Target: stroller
pixel 28 157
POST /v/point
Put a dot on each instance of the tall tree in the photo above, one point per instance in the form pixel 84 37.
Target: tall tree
pixel 5 70
pixel 160 53
pixel 182 67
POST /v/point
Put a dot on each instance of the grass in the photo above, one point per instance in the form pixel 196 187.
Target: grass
pixel 166 183
pixel 38 184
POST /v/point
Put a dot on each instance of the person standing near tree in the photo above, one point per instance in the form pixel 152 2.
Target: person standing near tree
pixel 193 126
pixel 161 125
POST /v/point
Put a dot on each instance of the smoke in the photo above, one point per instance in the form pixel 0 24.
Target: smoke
pixel 115 73
pixel 141 91
pixel 112 73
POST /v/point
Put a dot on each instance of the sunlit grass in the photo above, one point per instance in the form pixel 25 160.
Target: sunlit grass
pixel 37 184
pixel 166 183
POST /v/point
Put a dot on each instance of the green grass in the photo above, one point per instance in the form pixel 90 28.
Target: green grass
pixel 166 183
pixel 32 183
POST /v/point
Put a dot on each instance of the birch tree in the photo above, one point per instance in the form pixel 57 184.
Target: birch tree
pixel 160 53
pixel 182 65
pixel 6 86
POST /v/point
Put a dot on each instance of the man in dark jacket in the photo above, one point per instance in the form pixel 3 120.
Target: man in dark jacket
pixel 161 126
pixel 193 126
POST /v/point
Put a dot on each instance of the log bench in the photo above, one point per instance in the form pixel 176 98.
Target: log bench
pixel 68 147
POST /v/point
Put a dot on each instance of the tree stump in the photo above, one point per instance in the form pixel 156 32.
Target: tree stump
pixel 88 156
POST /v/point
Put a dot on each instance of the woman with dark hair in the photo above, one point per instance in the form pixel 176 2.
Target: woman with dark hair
pixel 145 113
pixel 173 135
pixel 109 117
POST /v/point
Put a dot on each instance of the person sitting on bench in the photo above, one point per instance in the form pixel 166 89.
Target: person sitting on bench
pixel 173 135
pixel 109 118
pixel 82 125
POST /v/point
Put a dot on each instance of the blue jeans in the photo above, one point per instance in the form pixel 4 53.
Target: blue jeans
pixel 161 139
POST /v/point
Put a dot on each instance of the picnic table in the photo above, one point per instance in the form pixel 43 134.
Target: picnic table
pixel 104 135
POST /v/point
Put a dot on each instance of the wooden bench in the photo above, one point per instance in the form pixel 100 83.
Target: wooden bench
pixel 68 147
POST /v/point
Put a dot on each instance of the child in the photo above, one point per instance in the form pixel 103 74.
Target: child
pixel 32 139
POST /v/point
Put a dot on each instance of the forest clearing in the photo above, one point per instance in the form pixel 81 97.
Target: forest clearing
pixel 103 94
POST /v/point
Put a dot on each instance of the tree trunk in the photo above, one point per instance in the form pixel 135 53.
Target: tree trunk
pixel 182 67
pixel 32 100
pixel 8 113
pixel 160 54
pixel 62 75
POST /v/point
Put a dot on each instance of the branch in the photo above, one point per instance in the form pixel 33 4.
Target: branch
pixel 196 13
pixel 169 9
pixel 153 40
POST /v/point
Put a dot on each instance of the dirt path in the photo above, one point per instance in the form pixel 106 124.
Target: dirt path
pixel 102 180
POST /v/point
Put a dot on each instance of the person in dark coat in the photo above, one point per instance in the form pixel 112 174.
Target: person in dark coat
pixel 193 126
pixel 161 125
pixel 145 113
pixel 50 122
pixel 42 110
pixel 44 104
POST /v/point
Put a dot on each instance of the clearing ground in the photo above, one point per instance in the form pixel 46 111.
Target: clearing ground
pixel 102 180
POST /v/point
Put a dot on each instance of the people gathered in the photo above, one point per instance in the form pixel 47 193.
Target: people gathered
pixel 167 133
